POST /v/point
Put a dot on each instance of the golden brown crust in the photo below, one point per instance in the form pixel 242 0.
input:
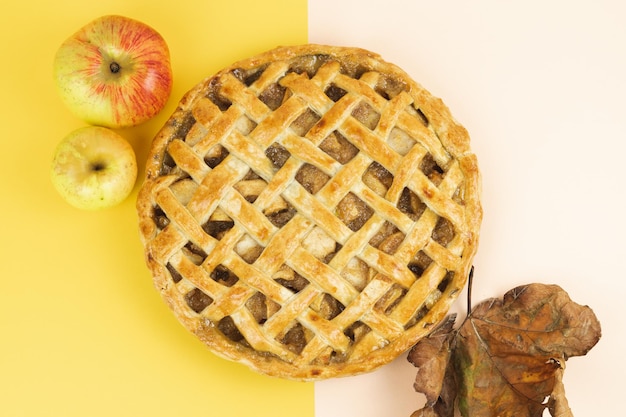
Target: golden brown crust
pixel 311 212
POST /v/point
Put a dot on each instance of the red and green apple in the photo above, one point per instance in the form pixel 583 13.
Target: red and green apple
pixel 114 72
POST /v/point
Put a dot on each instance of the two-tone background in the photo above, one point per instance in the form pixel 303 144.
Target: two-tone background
pixel 538 84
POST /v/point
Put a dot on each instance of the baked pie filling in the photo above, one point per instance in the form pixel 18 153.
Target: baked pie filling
pixel 311 212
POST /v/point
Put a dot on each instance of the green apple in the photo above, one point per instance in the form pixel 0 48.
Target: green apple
pixel 114 72
pixel 93 168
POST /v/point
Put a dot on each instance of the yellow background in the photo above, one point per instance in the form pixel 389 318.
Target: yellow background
pixel 83 331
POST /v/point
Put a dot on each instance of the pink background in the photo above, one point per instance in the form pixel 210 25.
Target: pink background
pixel 540 87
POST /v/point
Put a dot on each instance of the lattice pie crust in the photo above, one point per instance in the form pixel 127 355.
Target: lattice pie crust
pixel 311 212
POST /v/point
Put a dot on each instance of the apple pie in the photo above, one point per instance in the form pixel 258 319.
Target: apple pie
pixel 310 212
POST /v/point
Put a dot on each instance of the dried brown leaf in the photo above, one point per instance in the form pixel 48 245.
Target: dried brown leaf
pixel 426 412
pixel 508 356
pixel 431 357
pixel 558 405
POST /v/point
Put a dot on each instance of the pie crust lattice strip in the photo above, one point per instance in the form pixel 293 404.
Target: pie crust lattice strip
pixel 310 212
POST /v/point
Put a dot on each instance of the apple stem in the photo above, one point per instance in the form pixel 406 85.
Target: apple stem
pixel 114 67
pixel 97 166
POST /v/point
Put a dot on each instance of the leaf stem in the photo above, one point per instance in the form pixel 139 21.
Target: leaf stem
pixel 470 281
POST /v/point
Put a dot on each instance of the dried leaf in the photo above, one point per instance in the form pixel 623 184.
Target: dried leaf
pixel 508 356
pixel 435 376
pixel 558 405
pixel 425 412
pixel 431 357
